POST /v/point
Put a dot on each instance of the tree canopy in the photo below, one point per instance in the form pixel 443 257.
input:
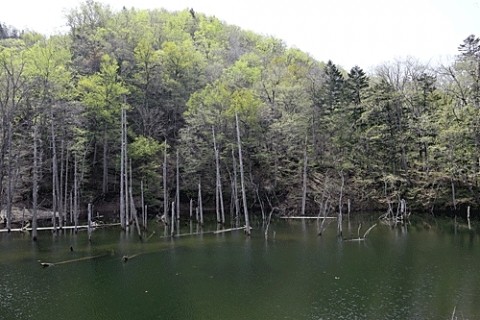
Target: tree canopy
pixel 404 131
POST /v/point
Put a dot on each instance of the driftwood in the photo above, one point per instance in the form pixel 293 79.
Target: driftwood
pixel 127 258
pixel 51 264
pixel 208 232
pixel 229 230
pixel 58 228
pixel 296 217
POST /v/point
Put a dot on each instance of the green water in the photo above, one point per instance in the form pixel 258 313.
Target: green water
pixel 402 273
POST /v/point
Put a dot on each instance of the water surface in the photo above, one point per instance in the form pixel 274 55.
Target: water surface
pixel 419 271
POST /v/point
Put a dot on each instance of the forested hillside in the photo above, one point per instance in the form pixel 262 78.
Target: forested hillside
pixel 312 133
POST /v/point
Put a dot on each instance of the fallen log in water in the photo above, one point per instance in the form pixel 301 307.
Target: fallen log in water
pixel 229 230
pixel 207 232
pixel 59 228
pixel 51 264
pixel 126 258
pixel 300 217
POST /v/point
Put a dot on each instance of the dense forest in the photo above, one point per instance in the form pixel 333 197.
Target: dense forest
pixel 152 97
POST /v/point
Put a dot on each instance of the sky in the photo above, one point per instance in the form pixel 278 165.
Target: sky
pixel 366 33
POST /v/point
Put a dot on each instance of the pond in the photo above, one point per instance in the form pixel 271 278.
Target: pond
pixel 419 271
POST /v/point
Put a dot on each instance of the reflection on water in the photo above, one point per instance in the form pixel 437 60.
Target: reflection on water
pixel 409 272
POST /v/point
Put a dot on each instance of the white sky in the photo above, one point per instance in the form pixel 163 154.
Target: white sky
pixel 349 32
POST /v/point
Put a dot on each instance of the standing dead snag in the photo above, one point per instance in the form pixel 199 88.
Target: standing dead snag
pixel 191 209
pixel 340 205
pixel 217 172
pixel 89 222
pixel 122 174
pixel 200 206
pixel 128 212
pixel 75 192
pixel 55 183
pixel 242 180
pixel 165 195
pixel 177 193
pixel 235 188
pixel 144 209
pixel 35 179
pixel 172 229
pixel 268 221
pixel 133 210
pixel 304 184
pixel 218 184
pixel 468 218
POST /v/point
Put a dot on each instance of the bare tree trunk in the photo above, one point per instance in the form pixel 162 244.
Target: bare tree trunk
pixel 242 180
pixel 65 196
pixel 144 217
pixel 340 205
pixel 178 189
pixel 61 184
pixel 133 210
pixel 172 228
pixel 232 199
pixel 105 162
pixel 122 176
pixel 35 179
pixel 89 222
pixel 71 207
pixel 217 201
pixel 165 194
pixel 260 202
pixel 222 207
pixel 304 184
pixel 454 201
pixel 75 193
pixel 468 218
pixel 128 211
pixel 322 227
pixel 235 187
pixel 191 208
pixel 218 194
pixel 10 178
pixel 54 204
pixel 200 206
pixel 55 182
pixel 268 223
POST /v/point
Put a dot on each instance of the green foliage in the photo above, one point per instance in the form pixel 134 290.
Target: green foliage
pixel 103 92
pixel 144 148
pixel 402 131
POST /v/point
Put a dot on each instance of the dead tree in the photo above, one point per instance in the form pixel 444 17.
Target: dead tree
pixel 200 206
pixel 340 206
pixel 122 175
pixel 35 178
pixel 177 197
pixel 235 187
pixel 218 184
pixel 165 194
pixel 242 180
pixel 304 184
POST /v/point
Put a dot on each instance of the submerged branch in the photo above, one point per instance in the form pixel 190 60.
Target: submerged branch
pixel 51 264
pixel 364 235
pixel 229 230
